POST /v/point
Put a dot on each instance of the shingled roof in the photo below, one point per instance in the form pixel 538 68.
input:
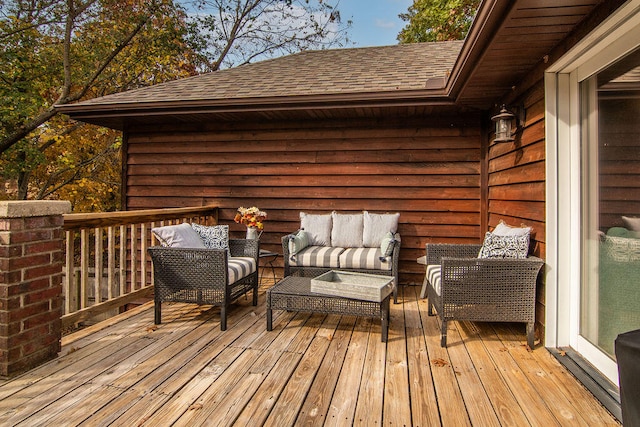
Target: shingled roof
pixel 506 41
pixel 321 72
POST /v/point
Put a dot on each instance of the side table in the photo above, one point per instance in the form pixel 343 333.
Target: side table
pixel 269 258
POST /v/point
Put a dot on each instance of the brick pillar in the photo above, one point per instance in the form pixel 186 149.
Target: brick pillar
pixel 31 266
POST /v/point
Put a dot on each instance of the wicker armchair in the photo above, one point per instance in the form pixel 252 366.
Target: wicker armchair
pixel 486 290
pixel 201 276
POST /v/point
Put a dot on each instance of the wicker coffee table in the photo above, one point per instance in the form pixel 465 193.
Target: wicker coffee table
pixel 294 294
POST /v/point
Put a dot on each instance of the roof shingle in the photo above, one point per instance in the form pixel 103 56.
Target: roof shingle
pixel 321 72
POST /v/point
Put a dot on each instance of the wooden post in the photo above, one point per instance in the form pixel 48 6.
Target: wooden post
pixel 31 265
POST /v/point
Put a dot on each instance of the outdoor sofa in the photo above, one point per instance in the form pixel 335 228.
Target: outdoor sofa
pixel 362 242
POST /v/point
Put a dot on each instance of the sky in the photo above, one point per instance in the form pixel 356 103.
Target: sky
pixel 375 22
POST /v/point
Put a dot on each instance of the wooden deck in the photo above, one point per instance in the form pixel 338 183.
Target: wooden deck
pixel 311 369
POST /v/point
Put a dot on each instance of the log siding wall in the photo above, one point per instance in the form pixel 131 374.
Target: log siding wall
pixel 428 169
pixel 517 180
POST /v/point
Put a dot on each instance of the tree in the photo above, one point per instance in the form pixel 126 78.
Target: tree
pixel 58 52
pixel 437 20
pixel 62 51
pixel 236 32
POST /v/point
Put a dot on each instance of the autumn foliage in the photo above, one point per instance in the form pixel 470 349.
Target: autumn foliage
pixel 62 51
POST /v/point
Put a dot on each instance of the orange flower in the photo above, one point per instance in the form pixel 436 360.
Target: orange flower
pixel 251 217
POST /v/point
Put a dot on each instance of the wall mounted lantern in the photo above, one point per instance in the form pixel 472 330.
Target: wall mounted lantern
pixel 504 125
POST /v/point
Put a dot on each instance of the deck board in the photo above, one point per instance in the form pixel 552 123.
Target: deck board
pixel 309 370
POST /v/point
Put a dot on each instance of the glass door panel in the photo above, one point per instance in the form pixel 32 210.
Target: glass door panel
pixel 610 286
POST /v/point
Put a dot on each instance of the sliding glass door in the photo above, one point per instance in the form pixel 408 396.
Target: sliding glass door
pixel 593 191
pixel 610 203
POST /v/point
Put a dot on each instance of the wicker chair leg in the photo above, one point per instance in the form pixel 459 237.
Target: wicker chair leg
pixel 429 307
pixel 157 317
pixel 223 317
pixel 255 294
pixel 443 334
pixel 530 334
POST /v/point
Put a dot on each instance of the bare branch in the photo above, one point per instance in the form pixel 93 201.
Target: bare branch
pixel 11 33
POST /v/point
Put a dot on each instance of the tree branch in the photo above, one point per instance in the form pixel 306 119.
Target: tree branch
pixel 44 191
pixel 65 96
pixel 21 132
pixel 233 34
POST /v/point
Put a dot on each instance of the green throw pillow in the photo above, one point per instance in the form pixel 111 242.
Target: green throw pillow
pixel 388 243
pixel 298 242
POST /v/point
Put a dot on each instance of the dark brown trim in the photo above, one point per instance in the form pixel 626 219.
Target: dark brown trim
pixel 484 174
pixel 115 115
pixel 124 170
pixel 488 19
pixel 595 18
pixel 371 99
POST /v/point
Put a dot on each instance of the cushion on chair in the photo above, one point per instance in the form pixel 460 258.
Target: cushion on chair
pixel 347 230
pixel 364 258
pixel 317 256
pixel 239 267
pixel 388 243
pixel 318 227
pixel 621 249
pixel 298 242
pixel 503 229
pixel 434 276
pixel 214 237
pixel 178 236
pixel 631 223
pixel 376 226
pixel 504 246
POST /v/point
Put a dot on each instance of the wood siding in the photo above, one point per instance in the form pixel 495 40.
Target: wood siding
pixel 516 179
pixel 426 168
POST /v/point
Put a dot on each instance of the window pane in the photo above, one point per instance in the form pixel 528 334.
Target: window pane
pixel 610 298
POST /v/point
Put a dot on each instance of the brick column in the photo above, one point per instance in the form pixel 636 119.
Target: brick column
pixel 31 265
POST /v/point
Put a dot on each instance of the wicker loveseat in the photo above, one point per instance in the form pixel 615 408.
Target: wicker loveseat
pixel 462 286
pixel 362 242
pixel 205 275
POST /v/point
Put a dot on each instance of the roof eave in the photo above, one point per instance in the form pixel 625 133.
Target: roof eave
pixel 94 113
pixel 488 18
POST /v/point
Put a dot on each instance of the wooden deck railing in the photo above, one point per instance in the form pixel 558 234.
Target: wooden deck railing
pixel 107 265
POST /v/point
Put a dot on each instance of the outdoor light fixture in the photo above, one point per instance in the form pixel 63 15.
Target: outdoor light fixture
pixel 504 125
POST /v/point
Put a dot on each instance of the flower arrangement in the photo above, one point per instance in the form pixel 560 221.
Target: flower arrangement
pixel 251 217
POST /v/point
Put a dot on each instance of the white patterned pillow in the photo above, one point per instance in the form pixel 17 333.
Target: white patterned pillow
pixel 504 246
pixel 214 237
